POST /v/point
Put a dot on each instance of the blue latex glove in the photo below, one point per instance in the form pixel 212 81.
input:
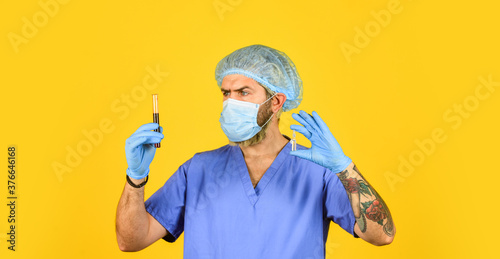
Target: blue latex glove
pixel 325 150
pixel 140 150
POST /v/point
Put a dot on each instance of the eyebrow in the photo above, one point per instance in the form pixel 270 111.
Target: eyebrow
pixel 236 90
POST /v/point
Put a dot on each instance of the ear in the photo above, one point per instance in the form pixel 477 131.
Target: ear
pixel 278 101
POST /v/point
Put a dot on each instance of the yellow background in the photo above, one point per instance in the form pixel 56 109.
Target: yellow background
pixel 394 91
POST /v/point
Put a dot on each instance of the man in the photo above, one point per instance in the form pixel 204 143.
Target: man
pixel 254 198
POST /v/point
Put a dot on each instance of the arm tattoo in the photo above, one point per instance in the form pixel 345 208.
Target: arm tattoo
pixel 372 207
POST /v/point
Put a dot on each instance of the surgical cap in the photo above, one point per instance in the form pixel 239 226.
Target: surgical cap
pixel 272 68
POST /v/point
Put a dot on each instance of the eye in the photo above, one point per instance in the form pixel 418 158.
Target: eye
pixel 243 93
pixel 225 93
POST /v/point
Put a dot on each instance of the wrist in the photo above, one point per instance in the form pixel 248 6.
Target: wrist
pixel 349 167
pixel 341 165
pixel 135 185
pixel 137 176
pixel 137 181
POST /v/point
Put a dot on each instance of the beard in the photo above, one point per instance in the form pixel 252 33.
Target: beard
pixel 263 116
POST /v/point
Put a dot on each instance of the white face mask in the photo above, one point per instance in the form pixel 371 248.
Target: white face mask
pixel 238 119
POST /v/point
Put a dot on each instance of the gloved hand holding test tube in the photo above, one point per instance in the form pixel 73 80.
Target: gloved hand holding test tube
pixel 141 146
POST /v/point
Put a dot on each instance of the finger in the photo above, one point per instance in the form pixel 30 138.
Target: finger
pixel 143 140
pixel 161 129
pixel 322 125
pixel 305 153
pixel 299 119
pixel 147 134
pixel 309 119
pixel 302 130
pixel 134 143
pixel 152 140
pixel 148 126
pixel 145 137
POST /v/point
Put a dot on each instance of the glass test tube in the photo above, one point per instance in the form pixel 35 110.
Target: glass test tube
pixel 294 142
pixel 156 115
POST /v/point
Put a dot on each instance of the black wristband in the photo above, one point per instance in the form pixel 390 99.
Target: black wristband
pixel 137 186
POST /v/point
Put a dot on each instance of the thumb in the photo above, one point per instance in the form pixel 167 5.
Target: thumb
pixel 305 154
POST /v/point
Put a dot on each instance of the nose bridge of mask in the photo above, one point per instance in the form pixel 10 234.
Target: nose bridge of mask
pixel 246 104
pixel 242 104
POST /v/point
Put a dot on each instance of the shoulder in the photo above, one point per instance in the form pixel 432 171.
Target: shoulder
pixel 211 157
pixel 214 154
pixel 205 160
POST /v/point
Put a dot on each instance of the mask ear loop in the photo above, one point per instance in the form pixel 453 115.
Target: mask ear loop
pixel 267 121
pixel 271 115
pixel 268 99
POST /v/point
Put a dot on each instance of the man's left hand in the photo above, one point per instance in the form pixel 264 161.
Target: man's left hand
pixel 325 150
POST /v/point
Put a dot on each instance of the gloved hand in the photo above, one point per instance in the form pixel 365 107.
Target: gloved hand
pixel 325 150
pixel 140 150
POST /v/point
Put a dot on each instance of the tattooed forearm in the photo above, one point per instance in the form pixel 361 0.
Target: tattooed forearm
pixel 365 201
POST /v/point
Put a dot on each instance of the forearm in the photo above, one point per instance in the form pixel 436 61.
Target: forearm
pixel 132 222
pixel 374 221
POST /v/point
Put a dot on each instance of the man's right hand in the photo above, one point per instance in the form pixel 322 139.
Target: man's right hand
pixel 140 150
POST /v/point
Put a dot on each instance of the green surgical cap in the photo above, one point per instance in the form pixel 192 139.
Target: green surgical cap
pixel 272 68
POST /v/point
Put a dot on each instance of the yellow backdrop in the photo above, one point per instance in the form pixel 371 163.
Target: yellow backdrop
pixel 410 89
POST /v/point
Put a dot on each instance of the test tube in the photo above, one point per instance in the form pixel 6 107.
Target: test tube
pixel 294 142
pixel 156 116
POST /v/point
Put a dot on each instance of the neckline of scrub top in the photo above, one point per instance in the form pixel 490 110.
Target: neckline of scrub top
pixel 253 194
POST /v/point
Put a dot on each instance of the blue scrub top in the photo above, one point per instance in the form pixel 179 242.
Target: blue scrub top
pixel 212 200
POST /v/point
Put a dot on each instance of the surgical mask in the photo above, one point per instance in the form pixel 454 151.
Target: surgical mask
pixel 238 119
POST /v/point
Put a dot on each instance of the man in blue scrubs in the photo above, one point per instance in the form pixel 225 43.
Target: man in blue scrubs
pixel 256 197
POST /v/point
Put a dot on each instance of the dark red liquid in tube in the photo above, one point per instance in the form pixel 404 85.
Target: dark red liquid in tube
pixel 156 116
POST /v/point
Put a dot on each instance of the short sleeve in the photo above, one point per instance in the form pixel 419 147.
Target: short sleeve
pixel 167 204
pixel 337 205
